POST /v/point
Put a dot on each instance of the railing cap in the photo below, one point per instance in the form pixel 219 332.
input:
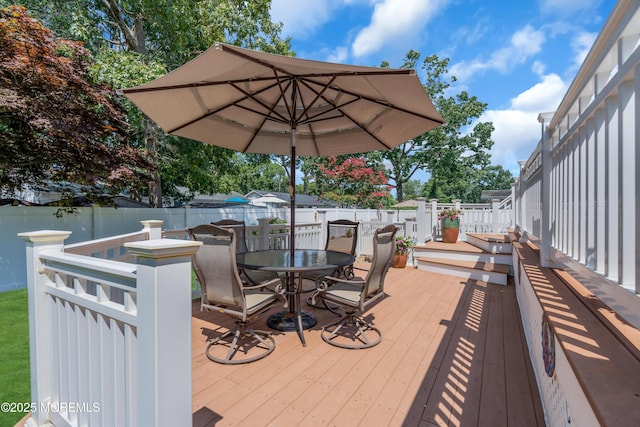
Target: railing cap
pixel 45 236
pixel 163 248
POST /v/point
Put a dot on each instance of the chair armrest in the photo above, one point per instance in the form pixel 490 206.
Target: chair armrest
pixel 264 284
pixel 322 282
pixel 342 280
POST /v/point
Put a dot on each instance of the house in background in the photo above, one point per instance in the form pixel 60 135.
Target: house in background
pixel 302 200
pixel 488 195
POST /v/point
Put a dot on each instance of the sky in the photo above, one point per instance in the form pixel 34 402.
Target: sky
pixel 518 57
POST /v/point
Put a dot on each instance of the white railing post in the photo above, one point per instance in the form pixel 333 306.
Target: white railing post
pixel 153 227
pixel 520 219
pixel 164 331
pixel 39 345
pixel 322 219
pixel 495 212
pixel 547 166
pixel 434 218
pixel 390 214
pixel 264 233
pixel 421 218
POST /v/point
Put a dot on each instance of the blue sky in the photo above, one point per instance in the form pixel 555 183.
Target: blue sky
pixel 519 57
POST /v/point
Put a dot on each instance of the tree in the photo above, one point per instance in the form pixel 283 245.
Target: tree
pixel 449 151
pixel 352 181
pixel 489 178
pixel 413 188
pixel 55 123
pixel 148 33
pixel 177 31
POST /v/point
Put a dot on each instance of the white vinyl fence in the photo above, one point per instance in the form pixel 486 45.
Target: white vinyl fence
pixel 110 342
pixel 100 223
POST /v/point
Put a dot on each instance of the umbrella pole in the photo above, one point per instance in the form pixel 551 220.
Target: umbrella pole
pixel 292 195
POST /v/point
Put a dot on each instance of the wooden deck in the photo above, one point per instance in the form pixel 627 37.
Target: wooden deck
pixel 452 354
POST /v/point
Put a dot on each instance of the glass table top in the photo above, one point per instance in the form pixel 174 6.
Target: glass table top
pixel 303 260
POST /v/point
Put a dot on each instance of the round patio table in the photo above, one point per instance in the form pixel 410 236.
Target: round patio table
pixel 304 260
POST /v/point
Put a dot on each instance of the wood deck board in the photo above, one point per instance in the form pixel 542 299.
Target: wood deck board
pixel 476 265
pixel 433 326
pixel 459 246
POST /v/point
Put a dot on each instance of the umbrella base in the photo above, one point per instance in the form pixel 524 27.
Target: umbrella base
pixel 286 321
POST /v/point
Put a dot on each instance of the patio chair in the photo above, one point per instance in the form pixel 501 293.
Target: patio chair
pixel 356 296
pixel 254 277
pixel 223 291
pixel 342 236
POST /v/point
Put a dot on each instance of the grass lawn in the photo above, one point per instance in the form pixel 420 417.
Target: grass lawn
pixel 14 353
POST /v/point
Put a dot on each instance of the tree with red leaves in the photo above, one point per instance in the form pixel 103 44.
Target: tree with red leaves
pixel 55 124
pixel 353 182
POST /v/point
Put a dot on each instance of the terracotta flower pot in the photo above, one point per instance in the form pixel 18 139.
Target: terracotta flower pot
pixel 450 230
pixel 399 260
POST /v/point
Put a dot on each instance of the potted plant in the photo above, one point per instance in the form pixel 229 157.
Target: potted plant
pixel 402 246
pixel 450 224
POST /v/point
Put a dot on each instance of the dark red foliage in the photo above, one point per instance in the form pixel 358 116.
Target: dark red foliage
pixel 55 125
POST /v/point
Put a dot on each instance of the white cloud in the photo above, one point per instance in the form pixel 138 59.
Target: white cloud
pixel 301 18
pixel 393 21
pixel 581 44
pixel 538 68
pixel 516 134
pixel 517 130
pixel 541 97
pixel 338 55
pixel 524 44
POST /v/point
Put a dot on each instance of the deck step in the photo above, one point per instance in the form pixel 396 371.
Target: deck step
pixel 461 251
pixel 484 271
pixel 494 243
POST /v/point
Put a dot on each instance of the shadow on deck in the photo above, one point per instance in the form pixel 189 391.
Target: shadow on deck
pixel 453 353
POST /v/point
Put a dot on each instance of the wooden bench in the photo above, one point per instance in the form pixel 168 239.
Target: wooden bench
pixel 602 349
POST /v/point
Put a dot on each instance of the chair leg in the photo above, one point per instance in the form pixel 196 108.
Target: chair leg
pixel 245 341
pixel 352 332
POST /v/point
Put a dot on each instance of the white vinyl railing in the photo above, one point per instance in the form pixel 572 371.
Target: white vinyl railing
pixel 110 342
pixel 578 191
pixel 577 199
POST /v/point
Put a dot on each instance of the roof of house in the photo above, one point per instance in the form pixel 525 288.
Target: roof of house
pixel 494 194
pixel 301 199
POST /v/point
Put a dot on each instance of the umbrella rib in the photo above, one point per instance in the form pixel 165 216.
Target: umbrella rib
pixel 338 108
pixel 367 98
pixel 234 103
pixel 194 85
pixel 269 108
pixel 318 96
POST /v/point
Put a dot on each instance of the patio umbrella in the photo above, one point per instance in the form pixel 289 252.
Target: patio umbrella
pixel 236 200
pixel 256 102
pixel 267 199
pixel 406 204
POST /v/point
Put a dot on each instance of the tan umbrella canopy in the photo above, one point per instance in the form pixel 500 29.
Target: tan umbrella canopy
pixel 256 102
pixel 407 204
pixel 267 199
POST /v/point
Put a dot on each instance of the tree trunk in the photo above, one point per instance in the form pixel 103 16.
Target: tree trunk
pixel 155 183
pixel 399 192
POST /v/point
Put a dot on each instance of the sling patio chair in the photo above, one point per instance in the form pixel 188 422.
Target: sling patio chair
pixel 356 296
pixel 223 291
pixel 254 277
pixel 342 236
